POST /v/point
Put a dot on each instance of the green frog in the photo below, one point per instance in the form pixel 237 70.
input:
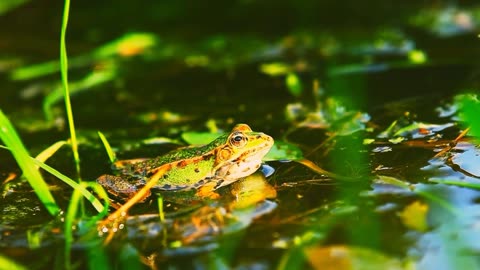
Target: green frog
pixel 227 159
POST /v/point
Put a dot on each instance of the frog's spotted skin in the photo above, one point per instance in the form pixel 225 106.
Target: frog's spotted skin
pixel 223 161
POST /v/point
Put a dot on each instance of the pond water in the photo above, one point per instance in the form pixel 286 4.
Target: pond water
pixel 375 104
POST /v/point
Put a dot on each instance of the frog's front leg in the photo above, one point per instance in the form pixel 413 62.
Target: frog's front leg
pixel 208 191
pixel 121 187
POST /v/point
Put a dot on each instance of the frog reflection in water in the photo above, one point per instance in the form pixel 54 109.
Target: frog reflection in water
pixel 227 159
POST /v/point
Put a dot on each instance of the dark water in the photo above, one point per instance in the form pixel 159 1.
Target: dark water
pixel 206 68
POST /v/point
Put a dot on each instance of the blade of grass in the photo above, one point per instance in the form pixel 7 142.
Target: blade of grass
pixel 64 75
pixel 161 213
pixel 7 263
pixel 10 137
pixel 52 149
pixel 108 148
pixel 71 215
pixel 76 186
pixel 89 196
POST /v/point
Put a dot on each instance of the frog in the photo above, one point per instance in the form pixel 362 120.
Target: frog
pixel 227 159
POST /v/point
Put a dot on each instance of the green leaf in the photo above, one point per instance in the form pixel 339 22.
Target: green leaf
pixel 414 216
pixel 294 84
pixel 198 138
pixel 275 69
pixel 284 151
pixel 470 108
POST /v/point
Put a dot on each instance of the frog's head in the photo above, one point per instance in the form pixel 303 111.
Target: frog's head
pixel 241 154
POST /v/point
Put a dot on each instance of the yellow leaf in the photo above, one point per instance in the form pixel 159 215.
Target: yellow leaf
pixel 414 216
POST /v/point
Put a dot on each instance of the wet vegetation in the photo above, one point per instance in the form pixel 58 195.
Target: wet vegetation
pixel 373 109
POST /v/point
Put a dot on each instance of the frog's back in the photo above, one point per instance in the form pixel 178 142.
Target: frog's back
pixel 189 166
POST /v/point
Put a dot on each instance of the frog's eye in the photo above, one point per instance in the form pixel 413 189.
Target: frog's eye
pixel 238 140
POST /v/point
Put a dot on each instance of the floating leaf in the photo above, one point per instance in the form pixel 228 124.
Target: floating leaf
pixel 160 140
pixel 414 216
pixel 197 138
pixel 389 131
pixel 275 69
pixel 420 130
pixel 417 57
pixel 284 151
pixel 368 141
pixel 397 140
pixel 470 108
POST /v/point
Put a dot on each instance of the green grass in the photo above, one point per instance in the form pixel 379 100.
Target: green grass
pixel 6 263
pixel 76 186
pixel 29 167
pixel 72 212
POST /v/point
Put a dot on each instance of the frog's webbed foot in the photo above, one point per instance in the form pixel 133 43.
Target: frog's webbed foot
pixel 120 187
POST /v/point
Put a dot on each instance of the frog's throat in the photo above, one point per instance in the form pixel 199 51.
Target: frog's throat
pixel 242 166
